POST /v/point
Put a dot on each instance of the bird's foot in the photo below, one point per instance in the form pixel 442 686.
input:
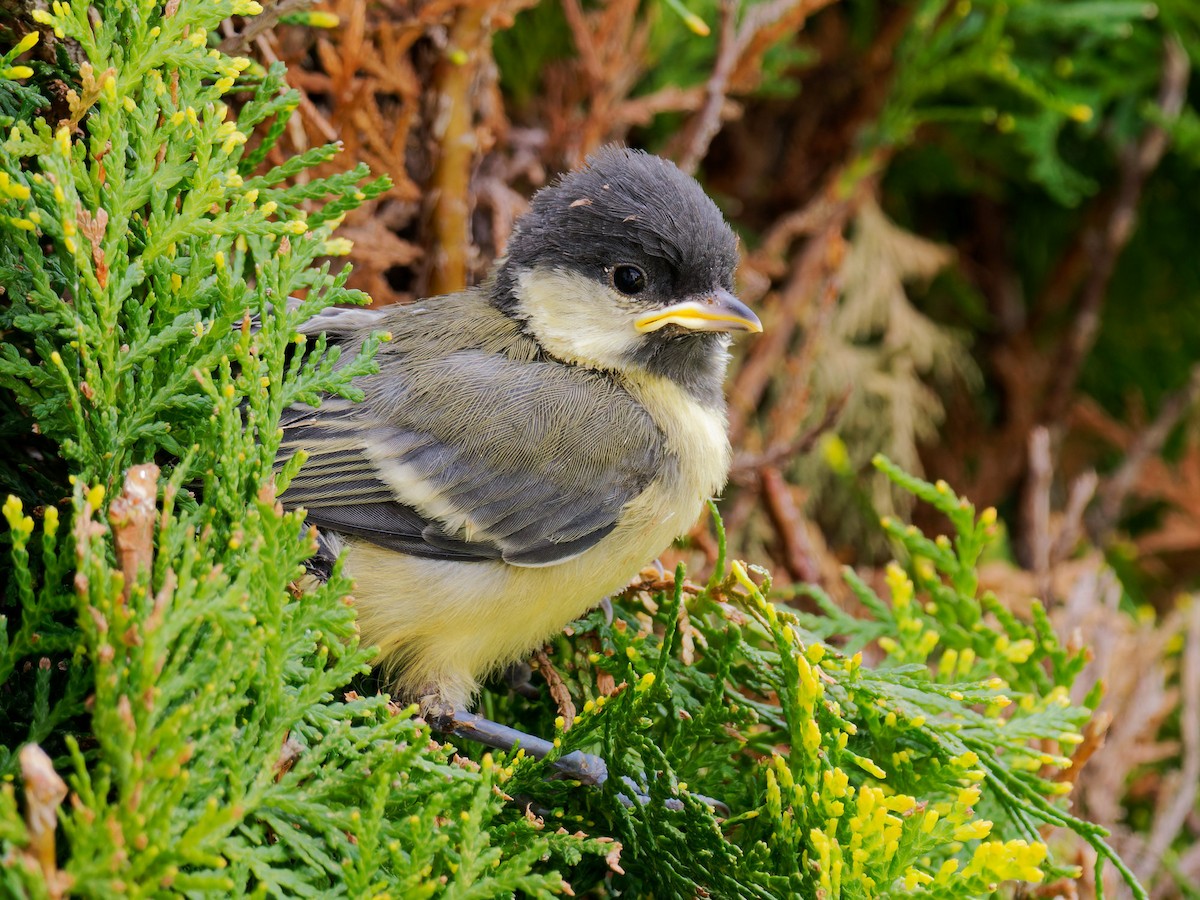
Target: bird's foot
pixel 586 768
pixel 519 678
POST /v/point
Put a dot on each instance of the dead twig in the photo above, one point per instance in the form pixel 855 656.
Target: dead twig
pixel 746 466
pixel 1036 508
pixel 1093 739
pixel 1083 489
pixel 295 124
pixel 585 45
pixel 1039 387
pixel 584 97
pixel 558 689
pixel 1178 796
pixel 763 26
pixel 132 514
pixel 1146 446
pixel 1105 243
pixel 703 127
pixel 454 132
pixel 738 67
pixel 791 404
pixel 272 12
pixel 789 525
pixel 642 110
pixel 44 793
pixel 815 263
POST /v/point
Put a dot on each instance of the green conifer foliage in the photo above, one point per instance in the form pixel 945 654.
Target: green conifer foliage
pixel 176 717
pixel 195 705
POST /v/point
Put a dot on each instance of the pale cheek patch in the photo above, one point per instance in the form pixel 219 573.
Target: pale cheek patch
pixel 578 319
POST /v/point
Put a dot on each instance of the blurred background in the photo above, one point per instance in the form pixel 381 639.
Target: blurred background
pixel 971 229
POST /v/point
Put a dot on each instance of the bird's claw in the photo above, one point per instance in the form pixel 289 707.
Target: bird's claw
pixel 519 678
pixel 586 768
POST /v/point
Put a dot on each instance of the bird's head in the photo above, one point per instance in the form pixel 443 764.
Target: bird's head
pixel 627 264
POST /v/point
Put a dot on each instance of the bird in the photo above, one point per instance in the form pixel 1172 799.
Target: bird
pixel 528 445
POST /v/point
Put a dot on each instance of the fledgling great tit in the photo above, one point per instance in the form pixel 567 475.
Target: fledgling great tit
pixel 528 445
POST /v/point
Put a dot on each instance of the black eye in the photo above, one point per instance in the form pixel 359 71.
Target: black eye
pixel 629 279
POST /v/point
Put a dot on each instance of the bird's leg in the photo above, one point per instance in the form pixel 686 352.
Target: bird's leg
pixel 586 768
pixel 606 605
pixel 519 678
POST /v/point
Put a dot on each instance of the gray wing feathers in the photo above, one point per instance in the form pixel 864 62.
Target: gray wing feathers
pixel 483 452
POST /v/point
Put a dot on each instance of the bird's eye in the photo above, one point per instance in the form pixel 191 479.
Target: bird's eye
pixel 629 280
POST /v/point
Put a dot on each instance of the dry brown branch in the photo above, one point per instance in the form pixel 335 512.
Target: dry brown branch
pixel 377 92
pixel 260 24
pixel 1039 387
pixel 505 204
pixel 132 516
pixel 44 793
pixel 1188 868
pixel 823 219
pixel 1070 529
pixel 1089 418
pixel 586 96
pixel 377 249
pixel 1139 697
pixel 1146 445
pixel 804 222
pixel 1093 739
pixel 558 688
pixel 987 471
pixel 764 26
pixel 585 45
pixel 1178 486
pixel 1104 245
pixel 587 99
pixel 789 525
pixel 1036 509
pixel 1170 549
pixel 367 83
pixel 642 110
pixel 295 127
pixel 1177 798
pixel 814 266
pixel 466 119
pixel 746 465
pixel 993 267
pixel 791 406
pixel 692 142
pixel 738 67
pixel 454 132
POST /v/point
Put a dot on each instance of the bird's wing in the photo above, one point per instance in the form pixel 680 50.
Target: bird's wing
pixel 475 455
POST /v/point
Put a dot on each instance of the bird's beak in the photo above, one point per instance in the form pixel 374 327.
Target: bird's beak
pixel 718 311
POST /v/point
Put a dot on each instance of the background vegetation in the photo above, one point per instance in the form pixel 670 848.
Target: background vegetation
pixel 967 228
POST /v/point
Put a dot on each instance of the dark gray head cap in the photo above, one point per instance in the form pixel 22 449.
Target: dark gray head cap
pixel 627 206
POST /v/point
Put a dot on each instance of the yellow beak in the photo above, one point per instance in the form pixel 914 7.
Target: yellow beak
pixel 720 311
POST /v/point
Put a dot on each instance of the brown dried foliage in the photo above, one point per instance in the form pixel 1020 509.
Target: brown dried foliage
pixel 44 794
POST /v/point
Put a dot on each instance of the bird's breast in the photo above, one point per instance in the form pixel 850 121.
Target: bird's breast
pixel 694 435
pixel 448 623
